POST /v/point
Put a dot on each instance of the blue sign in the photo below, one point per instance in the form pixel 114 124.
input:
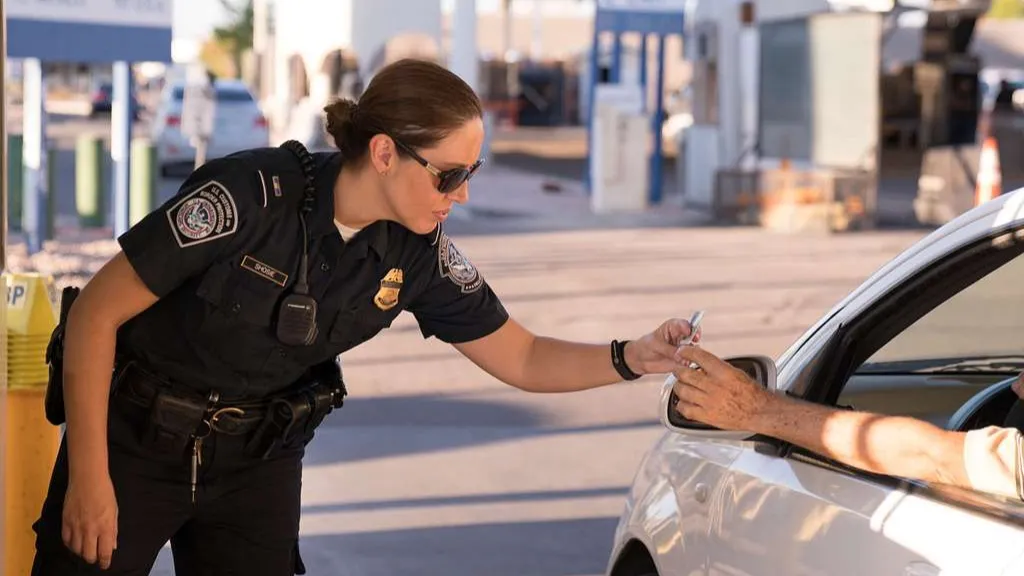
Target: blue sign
pixel 90 31
pixel 662 17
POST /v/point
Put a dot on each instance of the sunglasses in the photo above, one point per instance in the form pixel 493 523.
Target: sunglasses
pixel 448 181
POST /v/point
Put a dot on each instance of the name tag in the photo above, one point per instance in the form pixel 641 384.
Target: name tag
pixel 269 272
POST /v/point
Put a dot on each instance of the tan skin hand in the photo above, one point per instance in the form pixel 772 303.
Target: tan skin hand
pixel 736 398
pixel 657 352
pixel 90 519
pixel 113 296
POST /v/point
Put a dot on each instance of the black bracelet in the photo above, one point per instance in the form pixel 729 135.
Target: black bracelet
pixel 619 360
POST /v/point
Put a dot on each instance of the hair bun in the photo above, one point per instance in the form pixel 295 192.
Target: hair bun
pixel 339 114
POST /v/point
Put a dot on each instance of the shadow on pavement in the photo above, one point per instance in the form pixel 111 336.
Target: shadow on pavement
pixel 552 548
pixel 499 498
pixel 370 428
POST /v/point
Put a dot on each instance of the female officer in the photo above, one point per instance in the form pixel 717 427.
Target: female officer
pixel 269 262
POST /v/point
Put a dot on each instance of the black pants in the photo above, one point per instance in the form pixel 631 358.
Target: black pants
pixel 245 519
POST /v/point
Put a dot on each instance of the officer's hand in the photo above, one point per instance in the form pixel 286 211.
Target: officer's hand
pixel 656 353
pixel 90 519
pixel 1018 386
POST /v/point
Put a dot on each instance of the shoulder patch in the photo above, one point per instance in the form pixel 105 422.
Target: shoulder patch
pixel 456 267
pixel 205 214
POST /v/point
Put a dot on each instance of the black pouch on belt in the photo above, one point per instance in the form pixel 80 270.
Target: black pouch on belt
pixel 53 402
pixel 172 421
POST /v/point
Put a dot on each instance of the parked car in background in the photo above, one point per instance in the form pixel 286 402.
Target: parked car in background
pixel 239 123
pixel 936 334
pixel 102 98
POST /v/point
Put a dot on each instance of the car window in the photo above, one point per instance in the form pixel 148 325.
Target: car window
pixel 978 330
pixel 233 95
pixel 931 368
pixel 224 95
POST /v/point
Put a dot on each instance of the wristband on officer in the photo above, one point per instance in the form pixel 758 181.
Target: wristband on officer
pixel 619 360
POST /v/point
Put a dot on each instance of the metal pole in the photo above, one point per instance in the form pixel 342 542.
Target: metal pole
pixel 657 120
pixel 120 143
pixel 3 279
pixel 200 145
pixel 34 155
pixel 592 82
pixel 616 71
pixel 644 57
pixel 3 147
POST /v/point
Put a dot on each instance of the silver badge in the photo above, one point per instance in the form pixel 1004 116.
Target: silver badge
pixel 456 267
pixel 205 214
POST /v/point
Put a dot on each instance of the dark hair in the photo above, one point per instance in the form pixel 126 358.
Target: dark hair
pixel 415 101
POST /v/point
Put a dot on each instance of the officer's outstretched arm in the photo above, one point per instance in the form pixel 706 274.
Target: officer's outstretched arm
pixel 459 307
pixel 533 363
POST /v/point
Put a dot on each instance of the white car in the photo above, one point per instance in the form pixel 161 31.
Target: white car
pixel 937 334
pixel 239 124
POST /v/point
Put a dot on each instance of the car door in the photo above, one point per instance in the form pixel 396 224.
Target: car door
pixel 921 347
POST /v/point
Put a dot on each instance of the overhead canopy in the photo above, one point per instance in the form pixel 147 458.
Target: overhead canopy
pixel 645 16
pixel 90 31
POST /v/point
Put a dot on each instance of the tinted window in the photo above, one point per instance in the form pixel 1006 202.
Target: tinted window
pixel 223 95
pixel 233 95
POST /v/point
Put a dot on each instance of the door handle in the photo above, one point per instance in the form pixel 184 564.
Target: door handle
pixel 920 569
pixel 700 494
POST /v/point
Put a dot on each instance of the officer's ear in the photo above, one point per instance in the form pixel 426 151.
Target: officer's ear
pixel 382 153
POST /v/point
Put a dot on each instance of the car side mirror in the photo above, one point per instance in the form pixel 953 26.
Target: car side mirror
pixel 761 369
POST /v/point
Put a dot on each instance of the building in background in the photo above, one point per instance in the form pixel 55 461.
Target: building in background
pixel 531 66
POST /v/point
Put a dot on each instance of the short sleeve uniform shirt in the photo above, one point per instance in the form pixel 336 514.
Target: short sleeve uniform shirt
pixel 224 252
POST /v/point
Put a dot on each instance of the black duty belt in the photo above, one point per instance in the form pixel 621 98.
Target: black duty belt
pixel 140 387
pixel 177 417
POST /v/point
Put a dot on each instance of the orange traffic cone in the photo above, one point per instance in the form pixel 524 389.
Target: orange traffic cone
pixel 990 179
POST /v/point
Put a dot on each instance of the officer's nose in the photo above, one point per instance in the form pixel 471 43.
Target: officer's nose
pixel 461 194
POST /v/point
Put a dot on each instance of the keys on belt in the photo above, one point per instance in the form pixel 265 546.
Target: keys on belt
pixel 211 422
pixel 178 418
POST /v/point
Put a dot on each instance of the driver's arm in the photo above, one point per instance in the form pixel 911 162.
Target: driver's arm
pixel 990 459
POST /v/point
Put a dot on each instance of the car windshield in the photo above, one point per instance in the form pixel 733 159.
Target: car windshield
pixel 224 94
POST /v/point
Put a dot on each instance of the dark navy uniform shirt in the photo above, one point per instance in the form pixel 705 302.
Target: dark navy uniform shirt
pixel 226 249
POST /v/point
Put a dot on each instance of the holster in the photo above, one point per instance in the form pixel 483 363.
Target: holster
pixel 53 402
pixel 172 416
pixel 296 415
pixel 172 422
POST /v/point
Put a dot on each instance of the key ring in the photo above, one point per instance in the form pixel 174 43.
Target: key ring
pixel 206 433
pixel 212 423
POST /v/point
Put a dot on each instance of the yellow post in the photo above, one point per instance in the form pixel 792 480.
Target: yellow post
pixel 32 313
pixel 3 405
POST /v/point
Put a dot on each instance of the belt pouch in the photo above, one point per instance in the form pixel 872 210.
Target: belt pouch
pixel 172 421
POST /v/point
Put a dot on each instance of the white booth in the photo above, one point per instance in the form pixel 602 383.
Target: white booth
pixel 776 86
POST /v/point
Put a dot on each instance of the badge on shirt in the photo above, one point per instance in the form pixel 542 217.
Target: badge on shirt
pixel 207 213
pixel 390 285
pixel 456 267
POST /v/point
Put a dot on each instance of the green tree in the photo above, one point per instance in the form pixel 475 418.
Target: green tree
pixel 1007 9
pixel 236 36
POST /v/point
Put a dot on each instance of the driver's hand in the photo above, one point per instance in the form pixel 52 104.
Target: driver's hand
pixel 1018 386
